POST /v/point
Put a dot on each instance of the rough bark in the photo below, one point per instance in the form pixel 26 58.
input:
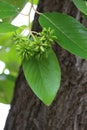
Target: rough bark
pixel 69 109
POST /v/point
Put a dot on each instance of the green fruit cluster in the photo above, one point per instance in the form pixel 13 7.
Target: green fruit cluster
pixel 36 46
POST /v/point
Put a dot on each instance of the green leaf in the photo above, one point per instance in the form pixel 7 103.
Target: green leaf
pixel 7 10
pixel 5 39
pixel 19 4
pixel 6 27
pixel 34 1
pixel 6 88
pixel 43 76
pixel 71 35
pixel 8 53
pixel 81 5
pixel 10 57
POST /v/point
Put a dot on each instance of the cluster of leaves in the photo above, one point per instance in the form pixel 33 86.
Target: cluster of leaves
pixel 36 46
pixel 8 54
pixel 44 75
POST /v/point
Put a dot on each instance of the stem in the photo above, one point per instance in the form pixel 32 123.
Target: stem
pixel 36 10
pixel 31 34
pixel 24 14
pixel 30 12
pixel 35 32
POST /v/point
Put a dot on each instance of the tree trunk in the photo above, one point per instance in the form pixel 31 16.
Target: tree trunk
pixel 69 109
